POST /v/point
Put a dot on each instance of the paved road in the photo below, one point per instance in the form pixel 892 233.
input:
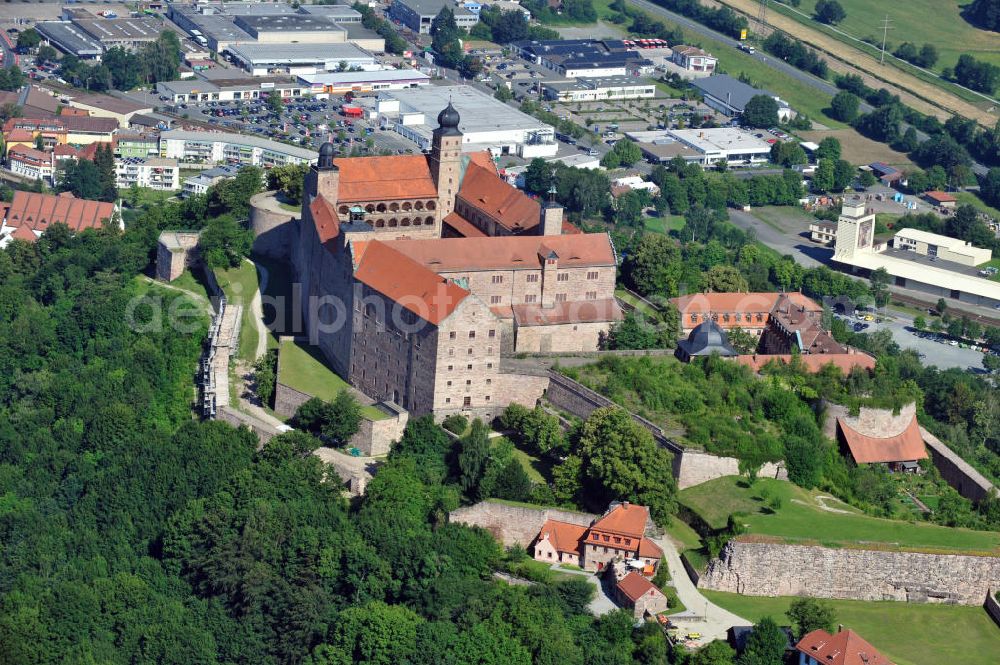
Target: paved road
pixel 800 248
pixel 774 63
pixel 701 615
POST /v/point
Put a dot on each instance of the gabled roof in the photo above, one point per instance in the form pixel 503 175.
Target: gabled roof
pixel 626 519
pixel 24 233
pixel 580 311
pixel 721 303
pixel 563 536
pixel 482 189
pixel 843 648
pixel 325 219
pixel 904 446
pixel 384 178
pixel 649 549
pixel 940 197
pixel 82 123
pixel 411 285
pixel 462 226
pixel 39 211
pixel 509 252
pixel 635 586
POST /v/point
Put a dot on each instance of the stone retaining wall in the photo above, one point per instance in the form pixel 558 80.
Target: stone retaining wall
pixel 773 569
pixel 690 467
pixel 511 524
pixel 236 418
pixel 956 471
pixel 992 606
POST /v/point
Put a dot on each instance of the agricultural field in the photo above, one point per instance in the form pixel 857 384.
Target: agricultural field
pixel 937 22
pixel 858 149
pixel 781 509
pixel 909 634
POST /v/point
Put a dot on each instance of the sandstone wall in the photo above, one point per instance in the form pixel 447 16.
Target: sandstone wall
pixel 956 471
pixel 697 468
pixel 273 227
pixel 287 400
pixel 263 430
pixel 514 524
pixel 992 606
pixel 770 569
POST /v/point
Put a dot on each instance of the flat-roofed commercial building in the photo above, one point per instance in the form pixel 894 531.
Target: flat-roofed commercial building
pixel 228 148
pixel 911 268
pixel 487 123
pixel 384 79
pixel 942 247
pixel 70 39
pixel 703 146
pixel 287 28
pixel 417 15
pixel 340 14
pixel 126 33
pixel 599 89
pixel 261 59
pixel 228 90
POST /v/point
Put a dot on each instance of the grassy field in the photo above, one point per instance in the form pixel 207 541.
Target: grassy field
pixel 859 150
pixel 800 518
pixel 973 199
pixel 786 219
pixel 303 368
pixel 188 282
pixel 239 285
pixel 538 470
pixel 937 22
pixel 908 634
pixel 664 224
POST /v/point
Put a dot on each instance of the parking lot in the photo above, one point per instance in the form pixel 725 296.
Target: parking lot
pixel 934 349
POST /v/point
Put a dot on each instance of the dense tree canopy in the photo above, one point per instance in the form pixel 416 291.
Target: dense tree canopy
pixel 761 111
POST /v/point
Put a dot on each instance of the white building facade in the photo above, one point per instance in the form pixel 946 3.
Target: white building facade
pixel 153 172
pixel 226 148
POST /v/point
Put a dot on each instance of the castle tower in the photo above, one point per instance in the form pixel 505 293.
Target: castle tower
pixel 551 216
pixel 446 158
pixel 323 179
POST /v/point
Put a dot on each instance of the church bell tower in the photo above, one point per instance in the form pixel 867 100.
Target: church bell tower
pixel 446 158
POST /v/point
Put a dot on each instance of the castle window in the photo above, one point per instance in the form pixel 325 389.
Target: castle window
pixel 467 401
pixel 451 352
pixel 489 382
pixel 343 210
pixel 469 366
pixel 560 297
pixel 394 206
pixel 497 279
pixel 591 295
pixel 563 277
pixel 592 274
pixel 495 300
pixel 380 207
pixel 530 298
pixel 532 278
pixel 594 536
pixel 607 539
pixel 449 384
pixel 405 222
pixel 472 334
pixel 452 334
pixel 416 221
pixel 468 382
pixel 393 222
pixel 489 365
pixel 451 367
pixel 470 351
pixel 694 318
pixel 487 398
pixel 447 400
pixel 428 220
pixel 380 224
pixel 407 206
pixel 493 333
pixel 419 205
pixel 431 205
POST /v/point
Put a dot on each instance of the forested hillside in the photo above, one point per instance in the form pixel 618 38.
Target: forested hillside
pixel 132 533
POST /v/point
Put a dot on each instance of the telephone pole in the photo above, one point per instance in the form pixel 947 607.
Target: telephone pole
pixel 885 32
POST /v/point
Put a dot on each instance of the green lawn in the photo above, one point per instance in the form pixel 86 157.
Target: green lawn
pixel 786 219
pixel 536 469
pixel 302 367
pixel 664 224
pixel 908 634
pixel 239 285
pixel 188 282
pixel 799 519
pixel 973 199
pixel 938 22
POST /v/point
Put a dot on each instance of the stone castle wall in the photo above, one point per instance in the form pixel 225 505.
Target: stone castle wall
pixel 514 525
pixel 697 468
pixel 772 569
pixel 956 471
pixel 273 227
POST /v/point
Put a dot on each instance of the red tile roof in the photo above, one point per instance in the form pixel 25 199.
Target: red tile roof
pixel 940 197
pixel 635 586
pixel 626 519
pixel 723 303
pixel 384 178
pixel 19 134
pixel 82 123
pixel 906 446
pixel 408 283
pixel 23 153
pixel 649 549
pixel 843 648
pixel 577 311
pixel 24 233
pixel 509 252
pixel 845 362
pixel 39 211
pixel 482 189
pixel 565 537
pixel 325 219
pixel 463 227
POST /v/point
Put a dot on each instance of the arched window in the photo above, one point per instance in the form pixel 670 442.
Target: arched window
pixel 407 206
pixel 393 222
pixel 343 210
pixel 380 207
pixel 379 224
pixel 431 205
pixel 405 221
pixel 416 221
pixel 394 207
pixel 369 208
pixel 428 220
pixel 419 205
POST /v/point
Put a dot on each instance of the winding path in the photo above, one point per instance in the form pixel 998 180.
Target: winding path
pixel 257 309
pixel 701 616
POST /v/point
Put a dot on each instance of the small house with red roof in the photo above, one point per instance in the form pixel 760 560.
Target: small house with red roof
pixel 30 214
pixel 618 535
pixel 638 594
pixel 841 648
pixel 940 199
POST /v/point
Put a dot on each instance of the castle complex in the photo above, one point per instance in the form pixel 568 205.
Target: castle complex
pixel 419 271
